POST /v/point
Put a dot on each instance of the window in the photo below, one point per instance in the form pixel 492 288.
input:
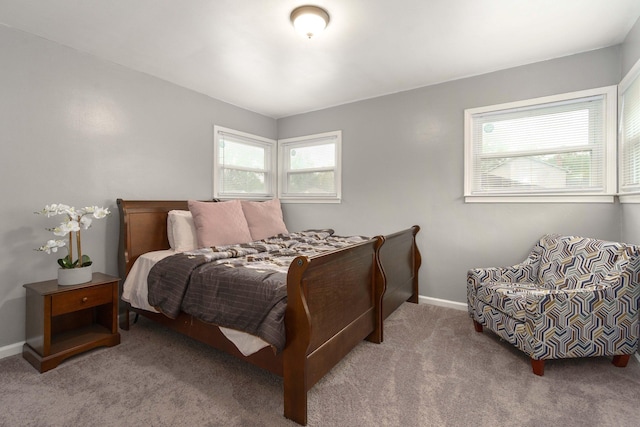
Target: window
pixel 309 168
pixel 629 136
pixel 244 165
pixel 559 148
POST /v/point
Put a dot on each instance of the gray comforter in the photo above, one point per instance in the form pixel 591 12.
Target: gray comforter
pixel 240 287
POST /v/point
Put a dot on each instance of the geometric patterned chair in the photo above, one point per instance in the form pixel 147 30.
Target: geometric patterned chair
pixel 571 297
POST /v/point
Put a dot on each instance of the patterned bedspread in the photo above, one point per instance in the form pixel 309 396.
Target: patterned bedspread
pixel 242 287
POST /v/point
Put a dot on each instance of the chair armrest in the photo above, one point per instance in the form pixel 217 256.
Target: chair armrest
pixel 481 275
pixel 526 271
pixel 475 277
pixel 618 279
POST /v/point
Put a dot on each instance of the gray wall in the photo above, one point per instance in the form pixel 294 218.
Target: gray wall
pixel 631 48
pixel 81 131
pixel 403 165
pixel 630 213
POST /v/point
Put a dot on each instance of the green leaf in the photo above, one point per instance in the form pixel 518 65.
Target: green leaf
pixel 86 261
pixel 66 262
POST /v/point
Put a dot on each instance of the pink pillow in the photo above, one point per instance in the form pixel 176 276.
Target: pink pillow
pixel 264 218
pixel 220 223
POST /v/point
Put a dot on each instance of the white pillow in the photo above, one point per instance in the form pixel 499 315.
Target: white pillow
pixel 181 231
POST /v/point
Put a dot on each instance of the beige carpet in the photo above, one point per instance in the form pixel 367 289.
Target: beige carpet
pixel 432 370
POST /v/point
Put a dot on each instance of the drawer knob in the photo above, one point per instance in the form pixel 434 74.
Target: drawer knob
pixel 85 299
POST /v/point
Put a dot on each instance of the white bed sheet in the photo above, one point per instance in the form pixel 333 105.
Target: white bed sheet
pixel 136 293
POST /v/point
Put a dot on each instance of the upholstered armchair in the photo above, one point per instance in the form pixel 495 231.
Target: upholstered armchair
pixel 571 297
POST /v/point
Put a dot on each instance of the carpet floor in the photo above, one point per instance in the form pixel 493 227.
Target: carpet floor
pixel 433 369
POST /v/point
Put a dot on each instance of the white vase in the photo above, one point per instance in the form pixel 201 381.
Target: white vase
pixel 74 276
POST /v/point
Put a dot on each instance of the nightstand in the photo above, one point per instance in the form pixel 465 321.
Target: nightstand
pixel 62 321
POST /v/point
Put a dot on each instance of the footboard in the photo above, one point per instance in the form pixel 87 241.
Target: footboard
pixel 400 260
pixel 333 304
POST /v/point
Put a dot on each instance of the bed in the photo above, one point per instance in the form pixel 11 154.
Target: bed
pixel 334 300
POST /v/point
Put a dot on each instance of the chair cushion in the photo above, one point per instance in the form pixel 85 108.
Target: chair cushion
pixel 510 298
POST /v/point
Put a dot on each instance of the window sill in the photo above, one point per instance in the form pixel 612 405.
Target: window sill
pixel 308 200
pixel 629 198
pixel 542 199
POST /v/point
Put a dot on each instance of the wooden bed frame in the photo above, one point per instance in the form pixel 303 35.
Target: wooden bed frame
pixel 334 300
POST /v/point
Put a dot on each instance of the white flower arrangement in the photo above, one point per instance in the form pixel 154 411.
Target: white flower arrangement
pixel 75 221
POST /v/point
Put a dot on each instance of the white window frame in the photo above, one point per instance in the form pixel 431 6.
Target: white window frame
pixel 270 164
pixel 631 195
pixel 284 145
pixel 609 159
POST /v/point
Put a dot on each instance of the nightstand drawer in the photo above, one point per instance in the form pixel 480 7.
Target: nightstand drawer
pixel 80 299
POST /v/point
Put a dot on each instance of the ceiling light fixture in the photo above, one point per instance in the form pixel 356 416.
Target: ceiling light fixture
pixel 309 20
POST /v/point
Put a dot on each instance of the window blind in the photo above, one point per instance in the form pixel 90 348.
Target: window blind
pixel 310 168
pixel 244 165
pixel 550 148
pixel 629 134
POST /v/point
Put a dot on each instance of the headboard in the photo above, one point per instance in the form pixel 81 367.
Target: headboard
pixel 143 228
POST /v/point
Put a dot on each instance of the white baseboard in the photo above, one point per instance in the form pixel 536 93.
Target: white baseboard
pixel 442 303
pixel 11 349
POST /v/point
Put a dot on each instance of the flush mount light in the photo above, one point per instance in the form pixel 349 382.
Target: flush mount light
pixel 309 20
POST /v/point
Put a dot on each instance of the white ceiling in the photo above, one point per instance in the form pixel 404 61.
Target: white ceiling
pixel 247 53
